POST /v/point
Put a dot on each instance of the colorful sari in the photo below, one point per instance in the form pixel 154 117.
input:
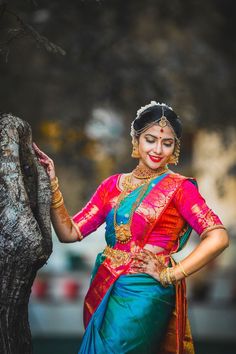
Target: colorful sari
pixel 134 313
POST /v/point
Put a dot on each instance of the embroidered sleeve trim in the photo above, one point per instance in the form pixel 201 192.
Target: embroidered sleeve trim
pixel 210 228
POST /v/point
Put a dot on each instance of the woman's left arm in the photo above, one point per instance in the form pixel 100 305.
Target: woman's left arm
pixel 214 238
pixel 214 242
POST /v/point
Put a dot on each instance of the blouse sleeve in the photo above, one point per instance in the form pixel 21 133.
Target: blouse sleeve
pixel 192 206
pixel 93 214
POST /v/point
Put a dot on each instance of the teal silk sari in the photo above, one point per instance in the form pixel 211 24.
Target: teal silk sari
pixel 134 314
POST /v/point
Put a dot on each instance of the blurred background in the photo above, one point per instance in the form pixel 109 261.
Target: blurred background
pixel 77 71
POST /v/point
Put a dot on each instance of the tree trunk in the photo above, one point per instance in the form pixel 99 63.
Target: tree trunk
pixel 25 230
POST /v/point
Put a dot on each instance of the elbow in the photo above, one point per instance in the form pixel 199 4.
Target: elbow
pixel 223 239
pixel 61 240
pixel 66 240
pixel 220 237
pixel 225 242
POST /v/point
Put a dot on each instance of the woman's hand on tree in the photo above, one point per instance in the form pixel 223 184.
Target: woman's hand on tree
pixel 45 161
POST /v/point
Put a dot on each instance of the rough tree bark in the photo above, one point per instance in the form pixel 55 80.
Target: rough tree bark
pixel 25 230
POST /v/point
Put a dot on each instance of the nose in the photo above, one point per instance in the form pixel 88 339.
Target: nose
pixel 158 148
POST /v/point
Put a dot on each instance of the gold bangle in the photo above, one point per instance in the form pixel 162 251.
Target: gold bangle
pixel 58 204
pixel 54 181
pixel 163 278
pixel 182 269
pixel 56 201
pixel 172 275
pixel 54 184
pixel 168 275
pixel 54 188
pixel 56 197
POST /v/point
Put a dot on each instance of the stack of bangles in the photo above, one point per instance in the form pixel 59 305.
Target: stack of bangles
pixel 167 275
pixel 57 198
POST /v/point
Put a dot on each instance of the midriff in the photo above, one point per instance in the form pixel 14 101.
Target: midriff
pixel 154 249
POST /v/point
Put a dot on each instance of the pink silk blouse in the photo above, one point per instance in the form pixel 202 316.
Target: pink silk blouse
pixel 186 207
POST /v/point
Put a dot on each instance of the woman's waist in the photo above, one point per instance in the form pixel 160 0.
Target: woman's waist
pixel 119 257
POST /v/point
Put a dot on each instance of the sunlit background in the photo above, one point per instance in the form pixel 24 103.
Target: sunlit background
pixel 120 55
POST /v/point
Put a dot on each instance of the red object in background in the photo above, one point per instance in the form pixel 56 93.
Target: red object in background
pixel 70 289
pixel 40 289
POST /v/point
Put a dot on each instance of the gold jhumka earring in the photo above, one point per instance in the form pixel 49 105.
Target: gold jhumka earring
pixel 135 153
pixel 163 122
pixel 174 159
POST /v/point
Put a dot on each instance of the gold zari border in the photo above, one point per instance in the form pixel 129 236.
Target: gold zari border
pixel 117 257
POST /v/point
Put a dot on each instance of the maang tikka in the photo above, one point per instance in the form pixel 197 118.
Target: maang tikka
pixel 163 121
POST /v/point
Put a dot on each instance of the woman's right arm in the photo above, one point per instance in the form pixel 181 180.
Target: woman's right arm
pixel 64 226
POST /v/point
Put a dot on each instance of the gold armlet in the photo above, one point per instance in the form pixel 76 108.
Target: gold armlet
pixel 182 269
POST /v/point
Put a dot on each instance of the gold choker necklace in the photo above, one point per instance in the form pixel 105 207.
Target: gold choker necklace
pixel 144 172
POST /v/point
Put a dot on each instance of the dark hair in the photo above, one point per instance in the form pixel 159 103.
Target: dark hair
pixel 152 114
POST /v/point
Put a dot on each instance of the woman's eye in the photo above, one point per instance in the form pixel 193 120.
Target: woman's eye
pixel 150 141
pixel 167 144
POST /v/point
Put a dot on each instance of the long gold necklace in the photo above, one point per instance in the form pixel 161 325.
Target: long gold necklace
pixel 123 231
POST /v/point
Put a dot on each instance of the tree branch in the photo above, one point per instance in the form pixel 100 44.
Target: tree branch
pixel 23 30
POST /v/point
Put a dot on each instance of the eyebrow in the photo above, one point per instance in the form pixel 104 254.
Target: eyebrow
pixel 153 136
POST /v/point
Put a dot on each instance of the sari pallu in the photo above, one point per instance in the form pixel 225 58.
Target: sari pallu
pixel 133 313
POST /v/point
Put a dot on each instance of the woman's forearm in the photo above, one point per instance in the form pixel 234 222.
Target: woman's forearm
pixel 211 246
pixel 65 228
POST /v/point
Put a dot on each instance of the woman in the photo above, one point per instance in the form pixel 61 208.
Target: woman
pixel 136 301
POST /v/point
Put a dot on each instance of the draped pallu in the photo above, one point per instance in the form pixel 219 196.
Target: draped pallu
pixel 134 313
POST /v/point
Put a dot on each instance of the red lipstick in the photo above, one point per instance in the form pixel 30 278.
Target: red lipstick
pixel 155 158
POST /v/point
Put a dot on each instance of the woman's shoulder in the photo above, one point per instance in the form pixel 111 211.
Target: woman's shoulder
pixel 114 181
pixel 178 176
pixel 185 183
pixel 111 180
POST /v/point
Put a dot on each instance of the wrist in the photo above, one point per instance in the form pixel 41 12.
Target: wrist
pixel 54 184
pixel 180 271
pixel 167 276
pixel 57 198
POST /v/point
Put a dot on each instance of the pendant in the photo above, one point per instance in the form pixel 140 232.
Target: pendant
pixel 123 234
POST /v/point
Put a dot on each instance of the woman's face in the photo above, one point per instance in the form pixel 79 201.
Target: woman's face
pixel 155 146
